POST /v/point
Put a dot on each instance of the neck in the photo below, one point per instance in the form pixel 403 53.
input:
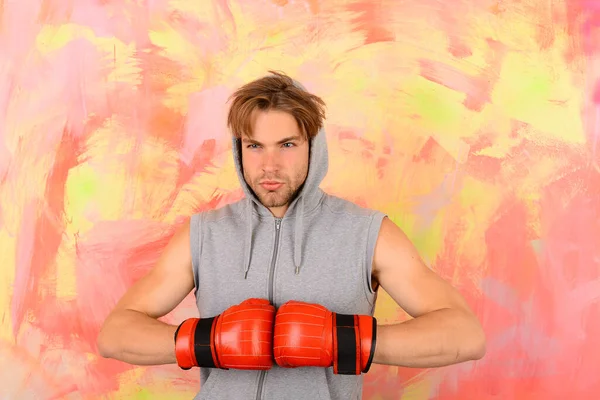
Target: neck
pixel 278 212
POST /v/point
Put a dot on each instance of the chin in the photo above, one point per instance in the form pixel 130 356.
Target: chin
pixel 270 203
pixel 272 199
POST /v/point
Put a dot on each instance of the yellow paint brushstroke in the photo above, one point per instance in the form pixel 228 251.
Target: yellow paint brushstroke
pixel 173 44
pixel 81 192
pixel 201 10
pixel 124 64
pixel 178 48
pixel 66 264
pixel 282 44
pixel 434 107
pixel 476 206
pixel 498 126
pixel 427 239
pixel 8 244
pixel 155 178
pixel 98 189
pixel 93 196
pixel 419 390
pixel 120 57
pixel 534 90
pixel 386 309
pixel 137 384
pixel 457 148
pixel 218 179
pixel 54 37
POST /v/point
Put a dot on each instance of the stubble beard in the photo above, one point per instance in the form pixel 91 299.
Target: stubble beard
pixel 277 198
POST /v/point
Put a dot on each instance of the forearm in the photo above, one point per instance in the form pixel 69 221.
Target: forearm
pixel 436 339
pixel 135 338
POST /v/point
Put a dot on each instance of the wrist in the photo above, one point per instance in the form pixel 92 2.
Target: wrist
pixel 354 340
pixel 194 343
pixel 184 344
pixel 368 335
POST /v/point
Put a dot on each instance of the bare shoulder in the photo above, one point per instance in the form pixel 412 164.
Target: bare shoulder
pixel 400 270
pixel 391 242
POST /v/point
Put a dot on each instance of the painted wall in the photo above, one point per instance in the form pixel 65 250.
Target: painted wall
pixel 474 124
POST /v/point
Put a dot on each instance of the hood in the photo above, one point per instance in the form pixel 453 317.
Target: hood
pixel 307 199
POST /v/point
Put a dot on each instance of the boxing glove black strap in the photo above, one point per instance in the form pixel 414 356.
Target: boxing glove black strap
pixel 345 329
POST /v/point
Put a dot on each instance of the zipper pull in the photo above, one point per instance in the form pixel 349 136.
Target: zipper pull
pixel 277 224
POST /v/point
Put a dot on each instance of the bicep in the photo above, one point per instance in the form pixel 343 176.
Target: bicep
pixel 168 282
pixel 399 269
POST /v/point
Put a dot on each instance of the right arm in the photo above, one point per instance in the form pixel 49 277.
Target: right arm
pixel 132 332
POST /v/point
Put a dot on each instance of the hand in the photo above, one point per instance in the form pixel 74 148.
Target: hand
pixel 239 338
pixel 309 335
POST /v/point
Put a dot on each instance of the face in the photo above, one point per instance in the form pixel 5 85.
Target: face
pixel 275 159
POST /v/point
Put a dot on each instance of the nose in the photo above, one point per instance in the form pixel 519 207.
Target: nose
pixel 270 161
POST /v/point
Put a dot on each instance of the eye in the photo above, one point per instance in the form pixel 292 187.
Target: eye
pixel 252 146
pixel 289 144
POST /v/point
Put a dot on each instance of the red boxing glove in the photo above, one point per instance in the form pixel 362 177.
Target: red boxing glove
pixel 239 338
pixel 309 335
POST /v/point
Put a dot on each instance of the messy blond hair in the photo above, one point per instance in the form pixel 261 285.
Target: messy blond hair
pixel 275 92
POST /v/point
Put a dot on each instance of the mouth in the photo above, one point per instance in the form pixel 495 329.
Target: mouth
pixel 271 185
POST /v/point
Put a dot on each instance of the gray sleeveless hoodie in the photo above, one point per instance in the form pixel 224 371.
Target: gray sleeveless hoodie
pixel 321 252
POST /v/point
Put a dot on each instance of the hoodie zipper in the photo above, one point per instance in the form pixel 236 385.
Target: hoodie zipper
pixel 271 277
pixel 274 260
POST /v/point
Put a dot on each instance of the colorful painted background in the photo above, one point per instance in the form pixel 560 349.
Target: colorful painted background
pixel 473 124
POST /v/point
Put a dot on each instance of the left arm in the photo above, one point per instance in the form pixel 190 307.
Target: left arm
pixel 443 330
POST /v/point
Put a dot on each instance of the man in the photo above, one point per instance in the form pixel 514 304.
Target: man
pixel 286 279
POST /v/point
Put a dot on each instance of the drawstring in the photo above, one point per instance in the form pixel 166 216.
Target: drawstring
pixel 248 244
pixel 298 238
pixel 298 235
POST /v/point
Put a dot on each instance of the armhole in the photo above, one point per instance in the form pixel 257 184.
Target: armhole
pixel 195 247
pixel 372 235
